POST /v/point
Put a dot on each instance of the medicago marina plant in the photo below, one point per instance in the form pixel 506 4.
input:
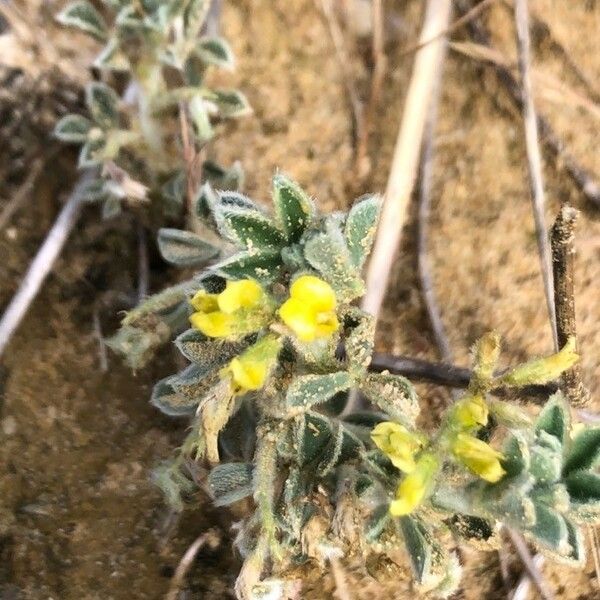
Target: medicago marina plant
pixel 276 344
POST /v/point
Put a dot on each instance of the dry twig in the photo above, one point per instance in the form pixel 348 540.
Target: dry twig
pixel 404 167
pixel 143 263
pixel 562 158
pixel 211 538
pixel 563 233
pixel 522 589
pixel 534 157
pixel 43 262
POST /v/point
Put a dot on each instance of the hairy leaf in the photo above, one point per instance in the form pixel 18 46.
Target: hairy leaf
pixel 360 228
pixel 394 395
pixel 84 16
pixel 250 228
pixel 208 352
pixel 73 128
pixel 230 482
pixel 309 390
pixel 262 266
pixel 584 452
pixel 184 249
pixel 165 398
pixel 215 51
pixel 555 418
pixel 293 207
pixel 231 103
pixel 103 104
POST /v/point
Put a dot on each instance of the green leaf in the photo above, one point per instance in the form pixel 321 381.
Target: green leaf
pixel 103 103
pixel 173 192
pixel 262 266
pixel 361 225
pixel 230 482
pixel 328 254
pixel 194 16
pixel 91 154
pixel 208 352
pixel 377 522
pixel 249 228
pixel 112 57
pixel 584 491
pixel 215 51
pixel 313 433
pixel 231 103
pixel 555 418
pixel 550 530
pixel 193 383
pixel 166 399
pixel 293 207
pixel 309 390
pixel 223 178
pixel 84 16
pixel 201 119
pixel 546 463
pixel 584 451
pixel 576 552
pixel 359 344
pixel 394 395
pixel 419 545
pixel 73 128
pixel 111 208
pixel 184 249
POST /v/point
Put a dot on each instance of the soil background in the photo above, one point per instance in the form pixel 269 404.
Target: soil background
pixel 79 516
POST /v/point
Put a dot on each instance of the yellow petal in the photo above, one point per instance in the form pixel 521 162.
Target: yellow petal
pixel 248 375
pixel 415 486
pixel 471 411
pixel 479 457
pixel 244 293
pixel 398 443
pixel 314 292
pixel 215 324
pixel 327 324
pixel 300 318
pixel 204 302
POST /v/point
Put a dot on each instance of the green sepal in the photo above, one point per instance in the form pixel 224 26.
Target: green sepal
pixel 293 207
pixel 84 16
pixel 360 228
pixel 184 249
pixel 230 482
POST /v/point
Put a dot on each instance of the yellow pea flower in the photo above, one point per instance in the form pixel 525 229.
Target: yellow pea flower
pixel 471 411
pixel 310 310
pixel 222 315
pixel 478 457
pixel 398 443
pixel 249 371
pixel 415 486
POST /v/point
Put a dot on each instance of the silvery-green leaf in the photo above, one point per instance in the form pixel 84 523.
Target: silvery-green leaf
pixel 173 483
pixel 576 553
pixel 184 249
pixel 204 204
pixel 377 522
pixel 249 228
pixel 359 343
pixel 215 51
pixel 419 545
pixel 555 418
pixel 394 395
pixel 313 433
pixel 328 254
pixel 230 482
pixel 360 228
pixel 293 207
pixel 173 192
pixel 193 382
pixel 584 492
pixel 223 178
pixel 584 451
pixel 231 103
pixel 194 17
pixel 112 57
pixel 309 390
pixel 208 352
pixel 73 128
pixel 83 15
pixel 264 266
pixel 545 464
pixel 550 530
pixel 201 119
pixel 103 104
pixel 94 191
pixel 166 398
pixel 91 153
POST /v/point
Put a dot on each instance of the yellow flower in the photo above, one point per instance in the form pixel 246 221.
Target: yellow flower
pixel 310 310
pixel 398 443
pixel 249 371
pixel 478 457
pixel 471 411
pixel 220 315
pixel 415 486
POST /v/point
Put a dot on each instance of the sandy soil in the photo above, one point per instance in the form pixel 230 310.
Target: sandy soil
pixel 79 517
